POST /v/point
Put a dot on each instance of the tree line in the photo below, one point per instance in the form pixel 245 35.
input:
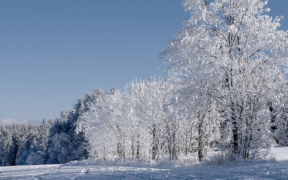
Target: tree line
pixel 225 97
pixel 226 91
pixel 53 142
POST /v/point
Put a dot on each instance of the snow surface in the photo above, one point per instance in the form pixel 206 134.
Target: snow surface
pixel 86 170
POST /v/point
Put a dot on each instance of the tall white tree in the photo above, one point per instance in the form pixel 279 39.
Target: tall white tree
pixel 232 52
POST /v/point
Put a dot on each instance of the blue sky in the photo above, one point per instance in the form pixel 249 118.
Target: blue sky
pixel 52 52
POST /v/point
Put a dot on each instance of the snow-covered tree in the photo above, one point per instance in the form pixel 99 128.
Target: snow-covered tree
pixel 64 143
pixel 6 144
pixel 232 52
pixel 57 150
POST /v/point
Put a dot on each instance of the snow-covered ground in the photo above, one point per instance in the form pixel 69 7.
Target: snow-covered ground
pixel 80 170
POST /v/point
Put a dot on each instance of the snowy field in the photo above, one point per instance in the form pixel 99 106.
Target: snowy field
pixel 78 170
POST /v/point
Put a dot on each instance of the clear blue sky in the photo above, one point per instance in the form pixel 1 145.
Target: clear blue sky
pixel 53 51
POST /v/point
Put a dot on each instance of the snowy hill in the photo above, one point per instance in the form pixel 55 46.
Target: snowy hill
pixel 82 170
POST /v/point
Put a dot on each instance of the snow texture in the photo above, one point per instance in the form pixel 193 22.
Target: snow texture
pixel 87 170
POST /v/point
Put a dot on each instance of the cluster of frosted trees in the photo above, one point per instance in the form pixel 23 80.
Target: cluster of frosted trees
pixel 23 144
pixel 64 143
pixel 226 91
pixel 141 123
pixel 53 142
pixel 150 120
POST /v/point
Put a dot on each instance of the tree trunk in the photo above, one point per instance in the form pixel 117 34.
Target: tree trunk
pixel 200 144
pixel 174 153
pixel 201 148
pixel 154 143
pixel 138 148
pixel 234 131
